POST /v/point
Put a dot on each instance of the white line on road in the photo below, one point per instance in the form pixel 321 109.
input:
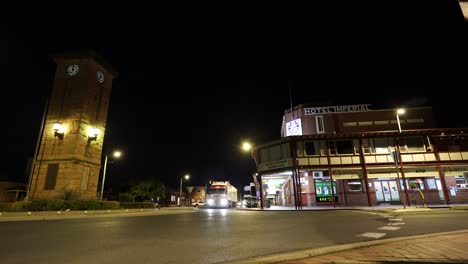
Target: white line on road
pixel 398 223
pixel 392 228
pixel 395 219
pixel 373 235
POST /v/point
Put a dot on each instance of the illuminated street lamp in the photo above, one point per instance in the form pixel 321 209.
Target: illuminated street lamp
pixel 116 154
pixel 246 146
pixel 180 189
pixel 399 112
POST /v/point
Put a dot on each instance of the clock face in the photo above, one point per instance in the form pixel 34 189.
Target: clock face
pixel 100 76
pixel 294 128
pixel 73 69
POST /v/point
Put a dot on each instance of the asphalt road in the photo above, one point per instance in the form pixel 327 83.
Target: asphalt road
pixel 209 236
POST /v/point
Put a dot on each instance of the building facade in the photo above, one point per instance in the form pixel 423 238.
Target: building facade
pixel 69 153
pixel 347 167
pixel 198 195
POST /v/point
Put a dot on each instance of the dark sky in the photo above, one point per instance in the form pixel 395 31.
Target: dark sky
pixel 194 81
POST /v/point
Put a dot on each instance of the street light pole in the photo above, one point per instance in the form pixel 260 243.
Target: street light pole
pixel 180 193
pixel 180 189
pixel 115 154
pixel 103 176
pixel 398 113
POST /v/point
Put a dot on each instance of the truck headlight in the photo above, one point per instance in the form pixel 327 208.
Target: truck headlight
pixel 244 202
pixel 210 201
pixel 224 201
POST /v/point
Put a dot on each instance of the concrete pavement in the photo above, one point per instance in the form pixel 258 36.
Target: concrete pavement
pixel 446 247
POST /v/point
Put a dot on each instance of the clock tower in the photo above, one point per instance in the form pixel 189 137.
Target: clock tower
pixel 68 161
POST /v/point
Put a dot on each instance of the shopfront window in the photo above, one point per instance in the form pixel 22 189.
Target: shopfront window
pixel 431 184
pixel 354 185
pixel 462 181
pixel 414 184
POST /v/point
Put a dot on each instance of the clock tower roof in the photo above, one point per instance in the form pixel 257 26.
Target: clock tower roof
pixel 88 54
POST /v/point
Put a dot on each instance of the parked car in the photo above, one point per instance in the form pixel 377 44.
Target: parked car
pixel 250 202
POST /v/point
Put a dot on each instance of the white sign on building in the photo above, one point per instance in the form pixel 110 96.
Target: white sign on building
pixel 336 109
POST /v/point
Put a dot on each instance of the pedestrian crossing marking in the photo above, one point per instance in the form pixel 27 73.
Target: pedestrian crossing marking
pixel 392 228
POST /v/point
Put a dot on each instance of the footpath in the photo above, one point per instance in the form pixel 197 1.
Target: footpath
pixel 55 215
pixel 445 247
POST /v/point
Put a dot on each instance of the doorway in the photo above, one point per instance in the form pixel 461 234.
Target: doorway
pixel 386 191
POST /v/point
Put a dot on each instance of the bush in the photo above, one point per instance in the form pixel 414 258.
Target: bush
pixel 18 207
pixel 47 205
pixel 4 207
pixel 107 205
pixel 126 197
pixel 127 205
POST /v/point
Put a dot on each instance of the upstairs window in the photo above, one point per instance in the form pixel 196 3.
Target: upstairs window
pixel 319 124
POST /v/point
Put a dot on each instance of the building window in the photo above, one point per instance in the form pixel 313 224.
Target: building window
pixel 347 124
pixel 380 145
pixel 462 181
pixel 341 147
pixel 354 185
pixel 319 123
pixel 431 184
pixel 409 121
pixel 312 148
pixel 173 198
pixel 366 146
pixel 412 144
pixel 344 147
pixel 51 177
pixel 381 122
pixel 85 178
pixel 415 184
pixel 365 123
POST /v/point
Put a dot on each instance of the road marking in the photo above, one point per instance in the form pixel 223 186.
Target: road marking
pixel 396 223
pixel 395 219
pixel 386 216
pixel 392 228
pixel 373 235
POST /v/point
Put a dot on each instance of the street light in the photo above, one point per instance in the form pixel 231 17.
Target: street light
pixel 246 146
pixel 399 111
pixel 180 189
pixel 116 154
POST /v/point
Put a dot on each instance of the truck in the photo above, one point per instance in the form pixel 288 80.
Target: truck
pixel 221 194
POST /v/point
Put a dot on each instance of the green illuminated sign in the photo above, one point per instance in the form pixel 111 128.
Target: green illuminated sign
pixel 323 191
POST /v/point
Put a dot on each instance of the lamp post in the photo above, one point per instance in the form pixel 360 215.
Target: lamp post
pixel 180 189
pixel 399 112
pixel 115 154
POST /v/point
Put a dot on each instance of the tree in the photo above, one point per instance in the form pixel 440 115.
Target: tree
pixel 147 190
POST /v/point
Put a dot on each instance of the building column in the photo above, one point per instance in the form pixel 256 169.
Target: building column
pixel 364 174
pixel 330 174
pixel 441 176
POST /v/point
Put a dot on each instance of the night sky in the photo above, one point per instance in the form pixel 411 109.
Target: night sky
pixel 194 81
